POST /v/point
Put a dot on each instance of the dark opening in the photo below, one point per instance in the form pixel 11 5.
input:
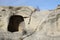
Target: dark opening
pixel 10 7
pixel 14 22
pixel 3 10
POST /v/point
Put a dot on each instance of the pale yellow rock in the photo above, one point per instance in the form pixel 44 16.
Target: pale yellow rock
pixel 47 22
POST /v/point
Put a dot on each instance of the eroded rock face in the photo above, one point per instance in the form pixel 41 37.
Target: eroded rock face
pixel 53 23
pixel 5 14
pixel 40 25
pixel 48 28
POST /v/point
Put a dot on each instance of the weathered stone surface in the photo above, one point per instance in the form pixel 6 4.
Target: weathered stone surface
pixel 10 36
pixel 48 27
pixel 40 25
pixel 5 14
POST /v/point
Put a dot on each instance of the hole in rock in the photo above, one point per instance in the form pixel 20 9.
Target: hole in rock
pixel 14 21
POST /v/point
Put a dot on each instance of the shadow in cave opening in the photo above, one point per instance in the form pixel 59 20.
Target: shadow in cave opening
pixel 14 21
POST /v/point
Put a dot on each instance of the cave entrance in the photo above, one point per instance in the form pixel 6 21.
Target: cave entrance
pixel 14 21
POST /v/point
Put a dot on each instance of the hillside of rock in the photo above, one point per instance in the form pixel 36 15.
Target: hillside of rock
pixel 40 25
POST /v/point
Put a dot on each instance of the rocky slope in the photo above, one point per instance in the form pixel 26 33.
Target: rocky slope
pixel 40 25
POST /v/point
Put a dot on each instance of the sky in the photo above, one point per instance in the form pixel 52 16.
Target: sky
pixel 41 4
